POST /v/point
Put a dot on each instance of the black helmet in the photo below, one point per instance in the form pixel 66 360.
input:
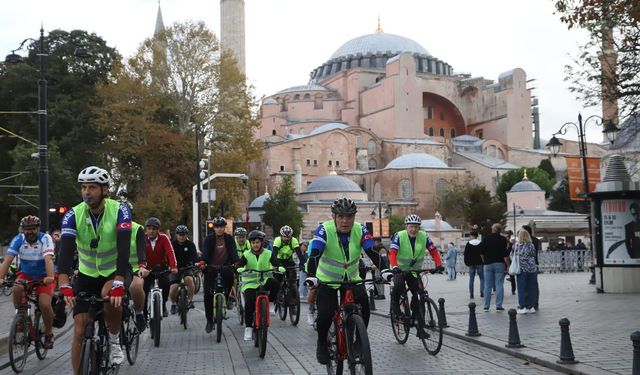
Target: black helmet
pixel 240 231
pixel 182 229
pixel 254 234
pixel 343 206
pixel 219 222
pixel 152 222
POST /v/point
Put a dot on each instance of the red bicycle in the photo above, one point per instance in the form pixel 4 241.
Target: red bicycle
pixel 347 337
pixel 262 319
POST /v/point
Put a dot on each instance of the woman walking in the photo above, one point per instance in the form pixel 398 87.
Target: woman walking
pixel 527 278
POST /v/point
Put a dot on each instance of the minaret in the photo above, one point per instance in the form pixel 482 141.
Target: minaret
pixel 159 23
pixel 232 29
pixel 160 71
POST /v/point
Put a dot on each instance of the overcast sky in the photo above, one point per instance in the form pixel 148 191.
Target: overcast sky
pixel 286 39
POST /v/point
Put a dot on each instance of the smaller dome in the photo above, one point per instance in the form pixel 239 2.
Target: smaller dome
pixel 416 161
pixel 525 185
pixel 269 101
pixel 310 87
pixel 332 183
pixel 327 127
pixel 259 201
pixel 430 225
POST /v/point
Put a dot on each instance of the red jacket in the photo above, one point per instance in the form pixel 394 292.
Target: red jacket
pixel 162 254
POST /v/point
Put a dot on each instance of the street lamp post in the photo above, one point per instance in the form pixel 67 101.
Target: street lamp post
pixel 611 131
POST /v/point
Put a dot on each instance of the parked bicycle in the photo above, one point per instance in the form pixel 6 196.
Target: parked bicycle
pixel 421 313
pixel 288 298
pixel 219 300
pixel 183 303
pixel 27 327
pixel 154 306
pixel 94 357
pixel 129 333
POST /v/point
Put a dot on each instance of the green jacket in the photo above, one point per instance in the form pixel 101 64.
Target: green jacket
pixel 333 265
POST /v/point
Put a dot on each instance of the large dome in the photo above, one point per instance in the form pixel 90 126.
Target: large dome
pixel 416 161
pixel 333 183
pixel 259 201
pixel 328 127
pixel 379 42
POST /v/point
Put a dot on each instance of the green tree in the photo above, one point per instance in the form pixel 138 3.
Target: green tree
pixel 282 208
pixel 545 165
pixel 396 223
pixel 536 175
pixel 559 199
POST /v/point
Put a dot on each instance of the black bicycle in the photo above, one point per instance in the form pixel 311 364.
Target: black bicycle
pixel 129 333
pixel 183 296
pixel 94 357
pixel 421 313
pixel 288 298
pixel 219 300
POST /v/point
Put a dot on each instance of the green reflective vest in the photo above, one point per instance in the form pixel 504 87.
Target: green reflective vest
pixel 99 261
pixel 411 258
pixel 261 263
pixel 241 249
pixel 333 265
pixel 133 248
pixel 285 251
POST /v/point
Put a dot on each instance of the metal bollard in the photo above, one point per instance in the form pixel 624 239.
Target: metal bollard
pixel 473 324
pixel 443 314
pixel 372 300
pixel 514 335
pixel 566 350
pixel 635 338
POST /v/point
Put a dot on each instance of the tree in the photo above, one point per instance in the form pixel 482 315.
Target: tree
pixel 545 165
pixel 559 199
pixel 536 175
pixel 612 25
pixel 396 223
pixel 282 208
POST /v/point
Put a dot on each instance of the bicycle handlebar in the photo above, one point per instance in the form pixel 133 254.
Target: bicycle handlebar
pixel 425 270
pixel 351 282
pixel 23 283
pixel 82 296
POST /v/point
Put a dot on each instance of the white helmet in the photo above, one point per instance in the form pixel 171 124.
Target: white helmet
pixel 94 175
pixel 413 219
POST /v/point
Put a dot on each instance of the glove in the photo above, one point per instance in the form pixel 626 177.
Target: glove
pixel 201 264
pixel 439 269
pixel 387 275
pixel 240 269
pixel 117 290
pixel 311 281
pixel 67 291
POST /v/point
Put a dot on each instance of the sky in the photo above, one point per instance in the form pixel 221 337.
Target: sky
pixel 287 39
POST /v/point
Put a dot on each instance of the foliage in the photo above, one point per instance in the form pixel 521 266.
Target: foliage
pixel 282 208
pixel 545 165
pixel 396 223
pixel 158 199
pixel 559 199
pixel 536 175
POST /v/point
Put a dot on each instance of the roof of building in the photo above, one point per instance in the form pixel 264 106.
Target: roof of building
pixel 525 185
pixel 487 161
pixel 430 226
pixel 259 201
pixel 310 87
pixel 332 183
pixel 467 139
pixel 269 101
pixel 424 141
pixel 379 42
pixel 327 127
pixel 416 161
pixel 628 138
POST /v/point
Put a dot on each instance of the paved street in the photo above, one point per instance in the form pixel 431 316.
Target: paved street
pixel 600 328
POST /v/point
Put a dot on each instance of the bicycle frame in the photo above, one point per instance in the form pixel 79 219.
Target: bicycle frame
pixel 29 297
pixel 155 292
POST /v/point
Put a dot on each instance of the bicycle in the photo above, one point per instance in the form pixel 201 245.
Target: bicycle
pixel 219 300
pixel 197 280
pixel 262 319
pixel 154 306
pixel 288 297
pixel 421 313
pixel 27 326
pixel 183 297
pixel 94 357
pixel 129 333
pixel 238 298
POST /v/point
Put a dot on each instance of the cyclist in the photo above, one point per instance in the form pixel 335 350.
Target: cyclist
pixel 100 229
pixel 35 250
pixel 242 244
pixel 139 271
pixel 260 259
pixel 186 255
pixel 283 248
pixel 337 246
pixel 160 256
pixel 219 249
pixel 408 249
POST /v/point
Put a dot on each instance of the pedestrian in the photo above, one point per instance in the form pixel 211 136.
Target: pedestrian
pixel 496 263
pixel 303 290
pixel 452 256
pixel 527 284
pixel 537 245
pixel 512 279
pixel 473 261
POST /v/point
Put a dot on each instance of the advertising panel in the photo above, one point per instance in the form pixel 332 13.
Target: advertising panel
pixel 621 231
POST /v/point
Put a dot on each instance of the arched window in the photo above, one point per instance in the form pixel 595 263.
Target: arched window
pixel 371 147
pixel 283 105
pixel 317 103
pixel 306 97
pixel 441 189
pixel 273 132
pixel 373 164
pixel 296 97
pixel 442 132
pixel 301 131
pixel 404 189
pixel 453 133
pixel 430 132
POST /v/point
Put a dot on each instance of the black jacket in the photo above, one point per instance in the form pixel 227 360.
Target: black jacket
pixel 494 248
pixel 186 254
pixel 210 243
pixel 472 252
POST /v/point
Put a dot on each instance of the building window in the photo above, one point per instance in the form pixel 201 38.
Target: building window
pixel 337 163
pixel 442 132
pixel 430 112
pixel 453 133
pixel 308 163
pixel 373 165
pixel 315 163
pixel 301 131
pixel 296 97
pixel 404 189
pixel 317 103
pixel 430 132
pixel 282 168
pixel 283 105
pixel 442 116
pixel 479 133
pixel 306 97
pixel 371 147
pixel 358 141
pixel 329 162
pixel 273 132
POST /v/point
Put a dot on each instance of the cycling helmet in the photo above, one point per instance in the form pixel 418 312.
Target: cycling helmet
pixel 256 234
pixel 286 231
pixel 413 219
pixel 240 231
pixel 94 175
pixel 344 206
pixel 219 222
pixel 30 221
pixel 182 229
pixel 152 222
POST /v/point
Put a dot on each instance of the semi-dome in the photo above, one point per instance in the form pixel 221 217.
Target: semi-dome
pixel 525 185
pixel 332 183
pixel 259 201
pixel 327 127
pixel 379 43
pixel 430 226
pixel 310 87
pixel 416 161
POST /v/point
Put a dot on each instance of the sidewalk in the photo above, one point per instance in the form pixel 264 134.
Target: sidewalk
pixel 601 324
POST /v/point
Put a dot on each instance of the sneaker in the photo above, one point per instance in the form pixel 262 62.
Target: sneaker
pixel 115 354
pixel 311 318
pixel 174 309
pixel 322 353
pixel 165 312
pixel 272 309
pixel 485 308
pixel 48 341
pixel 531 311
pixel 522 311
pixel 141 322
pixel 422 334
pixel 209 327
pixel 499 308
pixel 248 333
pixel 481 295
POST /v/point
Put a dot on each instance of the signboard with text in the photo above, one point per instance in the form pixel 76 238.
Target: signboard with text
pixel 576 179
pixel 621 231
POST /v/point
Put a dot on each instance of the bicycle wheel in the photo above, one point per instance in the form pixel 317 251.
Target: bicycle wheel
pixel 429 323
pixel 183 306
pixel 41 352
pixel 400 328
pixel 219 303
pixel 240 307
pixel 262 331
pixel 294 308
pixel 335 364
pixel 157 318
pixel 281 303
pixel 7 290
pixel 358 348
pixel 87 364
pixel 18 342
pixel 131 337
pixel 197 281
